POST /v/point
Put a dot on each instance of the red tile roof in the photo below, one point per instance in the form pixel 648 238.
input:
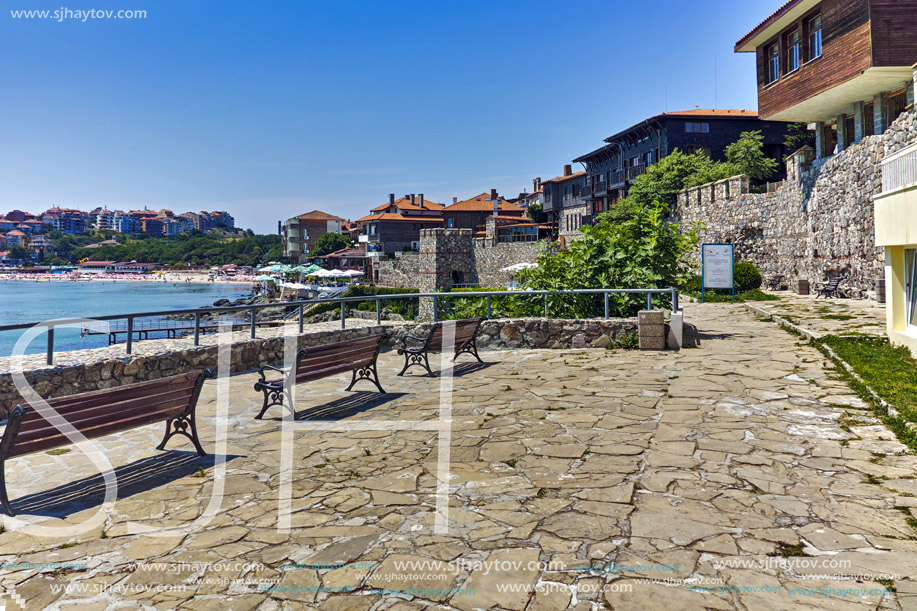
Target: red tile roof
pixel 318 215
pixel 393 216
pixel 405 204
pixel 565 178
pixel 710 112
pixel 479 203
pixel 772 17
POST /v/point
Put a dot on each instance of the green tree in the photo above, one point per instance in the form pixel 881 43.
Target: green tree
pixel 329 243
pixel 536 213
pixel 798 136
pixel 642 251
pixel 663 180
pixel 19 253
pixel 746 156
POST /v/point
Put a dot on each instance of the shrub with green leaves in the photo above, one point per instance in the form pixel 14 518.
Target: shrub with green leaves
pixel 641 251
pixel 747 277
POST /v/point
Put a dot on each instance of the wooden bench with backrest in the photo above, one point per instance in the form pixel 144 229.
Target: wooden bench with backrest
pixel 831 287
pixel 466 332
pixel 355 355
pixel 776 282
pixel 102 412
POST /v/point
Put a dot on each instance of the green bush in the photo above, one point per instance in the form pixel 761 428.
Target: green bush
pixel 747 277
pixel 407 308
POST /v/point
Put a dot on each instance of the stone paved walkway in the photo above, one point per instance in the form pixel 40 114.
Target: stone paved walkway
pixel 828 316
pixel 739 475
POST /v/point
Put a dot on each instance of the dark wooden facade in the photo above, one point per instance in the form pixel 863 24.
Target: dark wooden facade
pixel 611 169
pixel 856 36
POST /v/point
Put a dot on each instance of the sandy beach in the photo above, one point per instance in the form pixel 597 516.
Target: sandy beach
pixel 195 277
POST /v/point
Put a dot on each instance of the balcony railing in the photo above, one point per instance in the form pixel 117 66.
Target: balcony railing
pixel 634 171
pixel 900 170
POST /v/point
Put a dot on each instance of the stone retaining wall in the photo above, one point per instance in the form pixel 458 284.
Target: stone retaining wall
pixel 820 220
pixel 527 333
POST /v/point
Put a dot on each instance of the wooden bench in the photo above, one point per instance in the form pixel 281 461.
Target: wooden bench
pixel 355 355
pixel 102 412
pixel 830 288
pixel 466 332
pixel 776 282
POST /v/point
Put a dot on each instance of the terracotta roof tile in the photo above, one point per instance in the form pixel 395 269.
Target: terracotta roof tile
pixel 394 216
pixel 755 30
pixel 318 215
pixel 405 204
pixel 565 178
pixel 479 203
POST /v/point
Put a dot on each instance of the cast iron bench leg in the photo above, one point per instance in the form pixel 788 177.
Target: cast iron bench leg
pixel 367 373
pixel 183 425
pixel 4 500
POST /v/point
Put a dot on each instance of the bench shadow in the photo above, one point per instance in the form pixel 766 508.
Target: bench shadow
pixel 136 477
pixel 351 405
pixel 462 369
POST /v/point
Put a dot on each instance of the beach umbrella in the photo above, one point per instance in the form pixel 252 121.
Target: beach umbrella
pixel 353 273
pixel 518 267
pixel 264 278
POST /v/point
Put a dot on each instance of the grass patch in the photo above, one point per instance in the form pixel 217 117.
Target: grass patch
pixel 891 371
pixel 628 341
pixel 714 296
pixel 58 451
pixel 837 317
pixel 790 551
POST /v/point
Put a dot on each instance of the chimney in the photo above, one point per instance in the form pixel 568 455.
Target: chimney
pixel 536 185
pixel 413 199
pixel 493 198
pixel 279 228
pixel 454 201
pixel 391 199
pixel 568 170
pixel 421 200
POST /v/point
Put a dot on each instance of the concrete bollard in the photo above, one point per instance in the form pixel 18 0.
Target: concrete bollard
pixel 651 324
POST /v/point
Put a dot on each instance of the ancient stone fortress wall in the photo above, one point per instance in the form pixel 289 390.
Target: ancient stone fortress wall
pixel 454 256
pixel 818 221
pixel 247 356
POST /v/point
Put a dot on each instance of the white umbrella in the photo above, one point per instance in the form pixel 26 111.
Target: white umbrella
pixel 518 267
pixel 353 273
pixel 322 273
pixel 336 273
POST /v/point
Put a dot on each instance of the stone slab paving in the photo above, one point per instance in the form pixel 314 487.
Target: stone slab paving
pixel 739 475
pixel 828 316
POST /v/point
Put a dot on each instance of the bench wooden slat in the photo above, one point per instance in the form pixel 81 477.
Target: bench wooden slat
pixel 65 405
pixel 104 427
pixel 465 337
pixel 34 420
pixel 164 407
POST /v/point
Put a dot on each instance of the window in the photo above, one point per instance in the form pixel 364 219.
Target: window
pixel 792 51
pixel 910 286
pixel 704 150
pixel 772 55
pixel 697 128
pixel 815 40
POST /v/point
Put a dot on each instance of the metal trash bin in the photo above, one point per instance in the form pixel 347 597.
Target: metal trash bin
pixel 802 287
pixel 880 288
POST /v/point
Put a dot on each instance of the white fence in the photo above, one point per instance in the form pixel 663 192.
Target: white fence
pixel 900 169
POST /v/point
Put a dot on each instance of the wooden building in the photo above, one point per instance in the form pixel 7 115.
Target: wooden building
pixel 471 213
pixel 611 169
pixel 396 226
pixel 842 66
pixel 564 203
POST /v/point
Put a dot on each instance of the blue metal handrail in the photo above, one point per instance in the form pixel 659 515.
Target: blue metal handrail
pixel 130 328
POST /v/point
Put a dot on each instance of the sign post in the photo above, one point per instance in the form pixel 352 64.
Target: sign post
pixel 718 268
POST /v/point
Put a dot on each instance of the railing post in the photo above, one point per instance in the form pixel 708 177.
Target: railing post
pixel 343 314
pixel 378 311
pixel 130 334
pixel 435 309
pixel 197 328
pixel 489 308
pixel 300 318
pixel 545 305
pixel 606 304
pixel 649 301
pixel 252 323
pixel 50 356
pixel 674 300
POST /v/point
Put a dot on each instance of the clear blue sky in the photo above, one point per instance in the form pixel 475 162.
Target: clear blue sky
pixel 270 109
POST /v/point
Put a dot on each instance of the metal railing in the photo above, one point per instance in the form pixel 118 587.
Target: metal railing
pixel 900 170
pixel 198 327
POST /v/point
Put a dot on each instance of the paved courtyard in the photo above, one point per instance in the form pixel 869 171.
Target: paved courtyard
pixel 739 475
